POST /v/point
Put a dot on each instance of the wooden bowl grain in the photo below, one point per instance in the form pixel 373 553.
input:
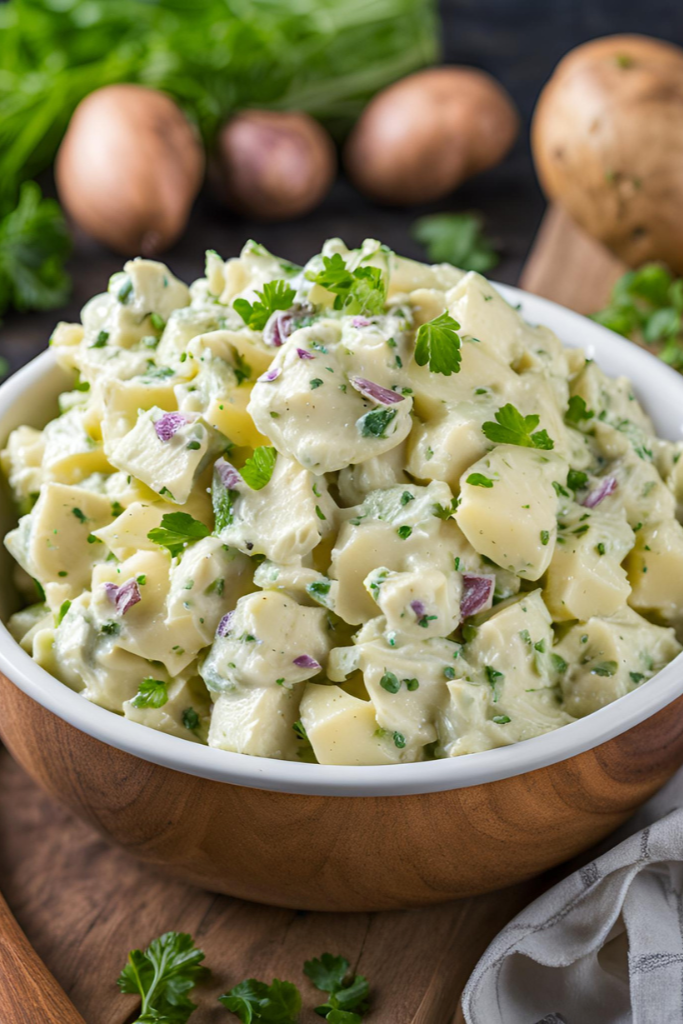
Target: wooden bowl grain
pixel 344 853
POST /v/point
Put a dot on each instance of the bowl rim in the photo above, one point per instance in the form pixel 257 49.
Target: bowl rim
pixel 479 768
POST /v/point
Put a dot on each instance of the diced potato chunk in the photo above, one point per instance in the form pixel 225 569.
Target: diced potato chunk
pixel 343 729
pixel 607 658
pixel 508 508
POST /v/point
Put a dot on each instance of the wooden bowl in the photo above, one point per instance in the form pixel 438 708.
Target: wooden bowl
pixel 327 837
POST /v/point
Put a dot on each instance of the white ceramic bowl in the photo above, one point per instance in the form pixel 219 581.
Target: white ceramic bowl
pixel 29 397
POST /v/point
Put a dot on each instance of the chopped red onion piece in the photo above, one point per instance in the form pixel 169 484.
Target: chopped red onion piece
pixel 227 474
pixel 125 596
pixel 224 625
pixel 279 326
pixel 169 424
pixel 603 490
pixel 306 661
pixel 360 321
pixel 419 608
pixel 304 354
pixel 270 375
pixel 375 391
pixel 477 593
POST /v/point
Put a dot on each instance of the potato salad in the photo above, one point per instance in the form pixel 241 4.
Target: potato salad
pixel 358 512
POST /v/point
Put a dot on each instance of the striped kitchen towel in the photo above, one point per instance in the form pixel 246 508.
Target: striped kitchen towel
pixel 604 946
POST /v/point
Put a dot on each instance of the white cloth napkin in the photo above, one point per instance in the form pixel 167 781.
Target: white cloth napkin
pixel 604 946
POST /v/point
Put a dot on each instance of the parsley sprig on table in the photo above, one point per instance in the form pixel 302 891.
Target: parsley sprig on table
pixel 456 238
pixel 162 976
pixel 513 428
pixel 647 305
pixel 275 295
pixel 171 966
pixel 438 344
pixel 362 290
pixel 252 1001
pixel 347 997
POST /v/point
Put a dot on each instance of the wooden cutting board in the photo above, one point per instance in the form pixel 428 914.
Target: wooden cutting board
pixel 83 905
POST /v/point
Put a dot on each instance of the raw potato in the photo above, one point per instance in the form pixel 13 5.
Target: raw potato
pixel 129 169
pixel 423 136
pixel 273 165
pixel 607 138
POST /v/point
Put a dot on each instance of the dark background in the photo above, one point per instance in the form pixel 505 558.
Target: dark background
pixel 517 41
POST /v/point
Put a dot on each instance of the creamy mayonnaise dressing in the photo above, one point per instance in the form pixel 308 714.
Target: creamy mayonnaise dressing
pixel 359 512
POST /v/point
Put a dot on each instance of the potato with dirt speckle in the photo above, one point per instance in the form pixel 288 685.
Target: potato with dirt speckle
pixel 607 138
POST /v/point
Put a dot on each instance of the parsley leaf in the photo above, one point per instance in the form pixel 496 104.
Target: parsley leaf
pixel 177 530
pixel 162 976
pixel 152 693
pixel 258 470
pixel 646 305
pixel 356 291
pixel 34 243
pixel 329 974
pixel 375 423
pixel 479 480
pixel 252 1001
pixel 577 411
pixel 438 344
pixel 513 428
pixel 275 295
pixel 456 238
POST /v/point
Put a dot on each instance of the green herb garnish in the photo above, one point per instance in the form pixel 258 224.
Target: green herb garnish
pixel 257 470
pixel 438 344
pixel 152 693
pixel 162 976
pixel 577 411
pixel 177 530
pixel 479 480
pixel 275 295
pixel 513 428
pixel 356 291
pixel 375 423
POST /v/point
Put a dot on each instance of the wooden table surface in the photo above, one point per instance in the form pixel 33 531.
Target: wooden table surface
pixel 83 905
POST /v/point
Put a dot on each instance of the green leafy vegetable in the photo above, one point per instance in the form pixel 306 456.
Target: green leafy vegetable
pixel 152 693
pixel 577 411
pixel 375 423
pixel 190 719
pixel 438 344
pixel 576 479
pixel 647 305
pixel 162 976
pixel 252 1001
pixel 456 238
pixel 605 668
pixel 275 295
pixel 257 470
pixel 513 428
pixel 177 530
pixel 330 974
pixel 34 243
pixel 356 291
pixel 479 480
pixel 214 58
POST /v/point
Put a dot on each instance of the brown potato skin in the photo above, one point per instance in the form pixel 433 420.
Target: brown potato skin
pixel 129 169
pixel 607 140
pixel 421 137
pixel 272 165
